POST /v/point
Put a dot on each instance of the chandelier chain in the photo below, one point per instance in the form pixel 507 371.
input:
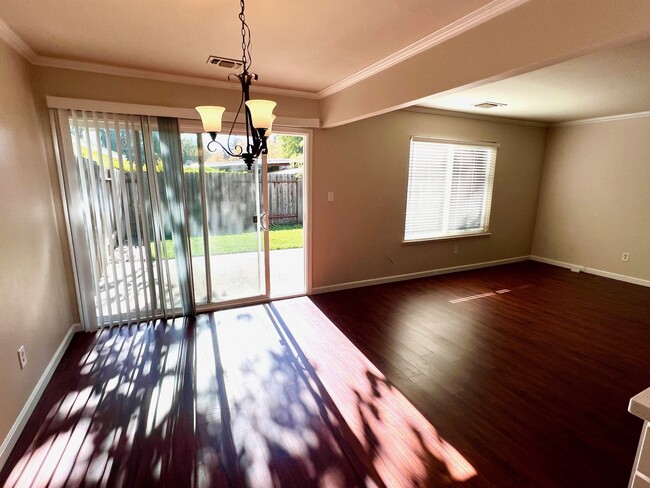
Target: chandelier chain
pixel 245 39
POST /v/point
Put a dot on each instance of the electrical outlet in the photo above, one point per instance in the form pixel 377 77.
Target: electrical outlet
pixel 456 249
pixel 330 196
pixel 625 257
pixel 22 357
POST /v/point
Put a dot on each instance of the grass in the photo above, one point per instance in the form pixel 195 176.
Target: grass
pixel 284 237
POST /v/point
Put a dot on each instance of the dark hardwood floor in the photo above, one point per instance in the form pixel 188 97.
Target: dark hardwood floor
pixel 532 384
pixel 517 375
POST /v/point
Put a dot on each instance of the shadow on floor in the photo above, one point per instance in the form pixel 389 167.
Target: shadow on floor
pixel 232 398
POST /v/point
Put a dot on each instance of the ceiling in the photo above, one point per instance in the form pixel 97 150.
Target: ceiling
pixel 601 84
pixel 297 44
pixel 314 47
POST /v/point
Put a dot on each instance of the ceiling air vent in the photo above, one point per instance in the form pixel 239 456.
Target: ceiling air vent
pixel 227 63
pixel 490 105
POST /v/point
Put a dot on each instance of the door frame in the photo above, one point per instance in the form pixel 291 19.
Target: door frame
pixel 194 126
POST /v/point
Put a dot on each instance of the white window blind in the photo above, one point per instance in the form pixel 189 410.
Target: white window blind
pixel 449 188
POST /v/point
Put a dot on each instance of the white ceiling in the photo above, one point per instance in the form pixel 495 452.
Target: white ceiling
pixel 310 46
pixel 601 84
pixel 297 44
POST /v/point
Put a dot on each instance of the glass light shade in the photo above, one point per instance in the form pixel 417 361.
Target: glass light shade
pixel 261 112
pixel 268 131
pixel 211 117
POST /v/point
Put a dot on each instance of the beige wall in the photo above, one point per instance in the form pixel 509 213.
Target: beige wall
pixel 595 197
pixel 110 88
pixel 34 297
pixel 365 164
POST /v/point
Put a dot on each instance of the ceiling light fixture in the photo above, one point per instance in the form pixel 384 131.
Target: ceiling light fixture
pixel 258 113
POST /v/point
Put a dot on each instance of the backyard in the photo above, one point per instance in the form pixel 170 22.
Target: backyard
pixel 289 236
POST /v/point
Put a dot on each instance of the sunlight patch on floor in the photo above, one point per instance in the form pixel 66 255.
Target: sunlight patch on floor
pixel 404 448
pixel 272 394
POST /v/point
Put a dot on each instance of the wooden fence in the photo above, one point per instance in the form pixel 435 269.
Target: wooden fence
pixel 230 201
pixel 285 198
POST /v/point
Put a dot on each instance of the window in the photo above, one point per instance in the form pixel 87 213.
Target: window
pixel 449 188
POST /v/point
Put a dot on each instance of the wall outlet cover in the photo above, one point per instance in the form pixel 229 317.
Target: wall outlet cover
pixel 22 357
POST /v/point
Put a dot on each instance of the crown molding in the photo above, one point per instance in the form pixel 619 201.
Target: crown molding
pixel 157 76
pixel 15 41
pixel 599 120
pixel 506 120
pixel 466 115
pixel 471 20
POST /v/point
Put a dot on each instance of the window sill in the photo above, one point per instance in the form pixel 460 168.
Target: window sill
pixel 446 238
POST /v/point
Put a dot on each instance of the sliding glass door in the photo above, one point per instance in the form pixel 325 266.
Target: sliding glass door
pixel 224 209
pixel 247 227
pixel 160 226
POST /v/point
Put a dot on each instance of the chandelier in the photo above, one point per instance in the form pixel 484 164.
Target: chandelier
pixel 258 113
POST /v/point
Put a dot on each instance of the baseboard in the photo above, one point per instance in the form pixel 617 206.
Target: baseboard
pixel 619 277
pixel 554 262
pixel 16 429
pixel 412 276
pixel 594 271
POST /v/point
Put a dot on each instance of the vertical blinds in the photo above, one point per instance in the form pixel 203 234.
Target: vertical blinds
pixel 113 189
pixel 449 188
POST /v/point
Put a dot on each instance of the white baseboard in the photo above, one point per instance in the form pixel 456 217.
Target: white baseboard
pixel 16 429
pixel 412 276
pixel 554 262
pixel 594 271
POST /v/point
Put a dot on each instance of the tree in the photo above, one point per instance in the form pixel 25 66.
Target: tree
pixel 113 141
pixel 292 147
pixel 283 146
pixel 189 149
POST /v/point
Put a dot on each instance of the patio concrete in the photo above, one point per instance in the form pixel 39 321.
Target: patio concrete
pixel 234 276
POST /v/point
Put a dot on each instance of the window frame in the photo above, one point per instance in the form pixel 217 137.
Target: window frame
pixel 487 206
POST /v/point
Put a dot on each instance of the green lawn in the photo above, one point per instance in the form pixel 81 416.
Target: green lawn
pixel 285 237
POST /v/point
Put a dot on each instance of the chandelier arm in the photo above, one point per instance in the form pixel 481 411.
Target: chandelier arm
pixel 232 126
pixel 232 154
pixel 249 126
pixel 251 142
